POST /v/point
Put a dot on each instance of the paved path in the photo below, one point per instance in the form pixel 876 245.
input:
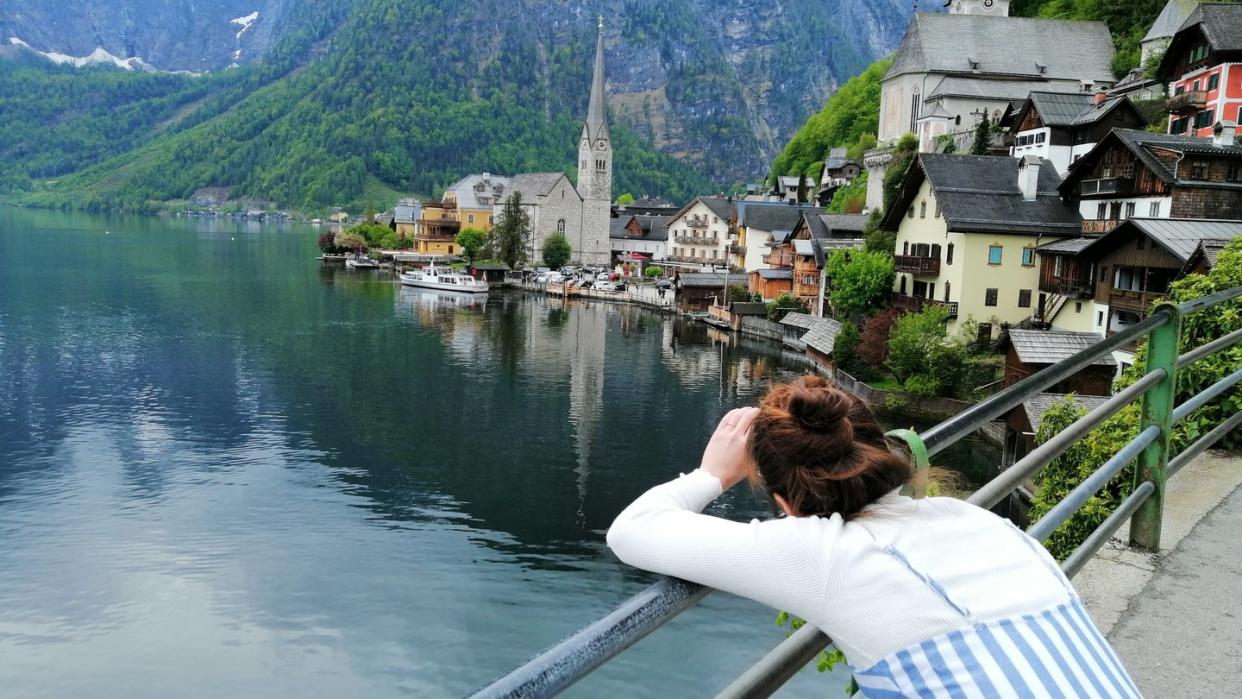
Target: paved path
pixel 1175 618
pixel 1182 636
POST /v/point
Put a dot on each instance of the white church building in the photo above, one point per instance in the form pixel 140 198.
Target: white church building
pixel 581 212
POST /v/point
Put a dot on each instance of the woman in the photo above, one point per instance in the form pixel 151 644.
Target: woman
pixel 931 597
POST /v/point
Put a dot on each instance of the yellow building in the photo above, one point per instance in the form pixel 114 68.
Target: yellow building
pixel 967 228
pixel 435 231
pixel 474 196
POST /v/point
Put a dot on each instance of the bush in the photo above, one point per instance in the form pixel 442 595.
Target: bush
pixel 471 240
pixel 875 331
pixel 653 271
pixel 784 304
pixel 556 251
pixel 737 292
pixel 349 240
pixel 858 280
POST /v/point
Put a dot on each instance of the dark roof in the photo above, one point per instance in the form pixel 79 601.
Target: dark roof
pixel 719 206
pixel 749 308
pixel 1039 404
pixel 774 273
pixel 710 280
pixel 533 184
pixel 1170 19
pixel 1052 346
pixel 617 227
pixel 654 227
pixel 979 193
pixel 491 266
pixel 1066 246
pixel 798 320
pixel 774 216
pixel 1179 236
pixel 1142 144
pixel 1221 24
pixel 1005 46
pixel 1072 108
pixel 823 335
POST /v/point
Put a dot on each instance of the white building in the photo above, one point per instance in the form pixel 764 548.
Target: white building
pixel 1061 127
pixel 698 234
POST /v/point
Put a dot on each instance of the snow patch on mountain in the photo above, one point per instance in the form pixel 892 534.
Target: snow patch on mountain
pixel 244 22
pixel 99 56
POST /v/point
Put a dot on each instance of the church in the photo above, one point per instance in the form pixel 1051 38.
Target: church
pixel 555 205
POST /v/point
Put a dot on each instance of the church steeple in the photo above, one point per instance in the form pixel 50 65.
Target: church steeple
pixel 595 144
pixel 596 125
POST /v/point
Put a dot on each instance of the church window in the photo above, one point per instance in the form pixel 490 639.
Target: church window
pixel 560 226
pixel 584 163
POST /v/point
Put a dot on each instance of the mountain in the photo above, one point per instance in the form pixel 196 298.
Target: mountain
pixel 334 100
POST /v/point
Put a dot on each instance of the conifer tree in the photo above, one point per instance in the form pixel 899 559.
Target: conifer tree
pixel 983 137
pixel 511 234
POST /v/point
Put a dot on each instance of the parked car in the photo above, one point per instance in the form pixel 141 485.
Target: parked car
pixel 617 285
pixel 602 277
pixel 555 278
pixel 543 278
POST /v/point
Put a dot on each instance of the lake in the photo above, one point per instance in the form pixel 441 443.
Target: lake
pixel 227 470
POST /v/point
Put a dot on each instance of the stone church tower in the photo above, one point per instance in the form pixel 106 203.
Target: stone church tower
pixel 595 169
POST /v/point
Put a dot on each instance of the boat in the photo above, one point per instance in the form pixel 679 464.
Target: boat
pixel 443 279
pixel 359 261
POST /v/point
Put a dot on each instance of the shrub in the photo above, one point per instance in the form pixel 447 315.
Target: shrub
pixel 653 272
pixel 784 304
pixel 858 280
pixel 556 251
pixel 875 331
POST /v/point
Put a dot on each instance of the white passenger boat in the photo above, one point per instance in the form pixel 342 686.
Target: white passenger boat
pixel 443 279
pixel 361 262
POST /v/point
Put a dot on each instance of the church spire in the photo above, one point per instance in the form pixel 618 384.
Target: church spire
pixel 596 125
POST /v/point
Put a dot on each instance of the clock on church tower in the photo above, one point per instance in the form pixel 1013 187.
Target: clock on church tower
pixel 996 8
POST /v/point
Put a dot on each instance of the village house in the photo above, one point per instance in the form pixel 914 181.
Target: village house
pixel 405 217
pixel 770 282
pixel 1135 173
pixel 814 237
pixel 757 226
pixel 435 231
pixel 698 234
pixel 1139 84
pixel 952 69
pixel 1023 422
pixel 1065 287
pixel 639 238
pixel 475 197
pixel 1203 64
pixel 967 229
pixel 812 335
pixel 1134 264
pixel 1064 126
pixel 698 291
pixel 1029 351
pixel 839 170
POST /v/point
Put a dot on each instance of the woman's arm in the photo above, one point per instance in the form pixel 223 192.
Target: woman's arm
pixel 782 563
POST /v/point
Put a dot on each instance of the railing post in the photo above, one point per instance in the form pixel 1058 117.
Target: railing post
pixel 1162 352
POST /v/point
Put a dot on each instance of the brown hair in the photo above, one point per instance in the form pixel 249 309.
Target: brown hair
pixel 822 450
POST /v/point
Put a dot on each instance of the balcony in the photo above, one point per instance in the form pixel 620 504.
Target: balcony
pixel 778 260
pixel 736 249
pixel 1188 102
pixel 916 304
pixel 1119 186
pixel 1094 226
pixel 916 264
pixel 696 222
pixel 1137 301
pixel 694 240
pixel 1069 288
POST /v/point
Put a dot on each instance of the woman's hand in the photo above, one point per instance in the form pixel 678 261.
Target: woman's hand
pixel 726 456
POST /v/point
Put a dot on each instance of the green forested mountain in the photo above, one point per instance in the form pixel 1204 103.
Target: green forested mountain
pixel 369 98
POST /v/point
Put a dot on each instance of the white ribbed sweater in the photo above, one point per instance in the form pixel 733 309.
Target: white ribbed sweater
pixel 837 575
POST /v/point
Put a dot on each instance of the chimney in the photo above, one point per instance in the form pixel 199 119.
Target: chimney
pixel 487 176
pixel 1099 98
pixel 1028 176
pixel 1225 133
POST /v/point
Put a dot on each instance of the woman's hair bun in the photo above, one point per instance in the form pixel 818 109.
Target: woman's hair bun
pixel 819 408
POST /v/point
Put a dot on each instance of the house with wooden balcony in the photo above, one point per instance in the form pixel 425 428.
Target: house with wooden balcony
pixel 757 225
pixel 698 234
pixel 1064 126
pixel 475 197
pixel 967 230
pixel 816 236
pixel 435 231
pixel 1134 264
pixel 1133 174
pixel 1203 66
pixel 1066 287
pixel 638 238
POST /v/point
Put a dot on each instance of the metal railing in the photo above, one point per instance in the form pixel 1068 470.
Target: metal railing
pixel 561 665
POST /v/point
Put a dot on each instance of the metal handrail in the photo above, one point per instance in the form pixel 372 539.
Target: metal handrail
pixel 559 666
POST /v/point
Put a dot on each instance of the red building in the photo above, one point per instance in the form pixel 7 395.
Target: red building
pixel 1204 66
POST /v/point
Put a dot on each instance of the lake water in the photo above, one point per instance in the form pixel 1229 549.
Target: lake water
pixel 226 470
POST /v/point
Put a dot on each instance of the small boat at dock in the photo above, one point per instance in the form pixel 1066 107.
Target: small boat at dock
pixel 443 279
pixel 361 262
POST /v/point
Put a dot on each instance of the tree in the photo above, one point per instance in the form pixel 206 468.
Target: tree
pixel 511 234
pixel 873 349
pixel 556 250
pixel 653 271
pixel 737 292
pixel 858 280
pixel 913 338
pixel 784 304
pixel 845 351
pixel 349 240
pixel 625 199
pixel 983 137
pixel 471 240
pixel 802 188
